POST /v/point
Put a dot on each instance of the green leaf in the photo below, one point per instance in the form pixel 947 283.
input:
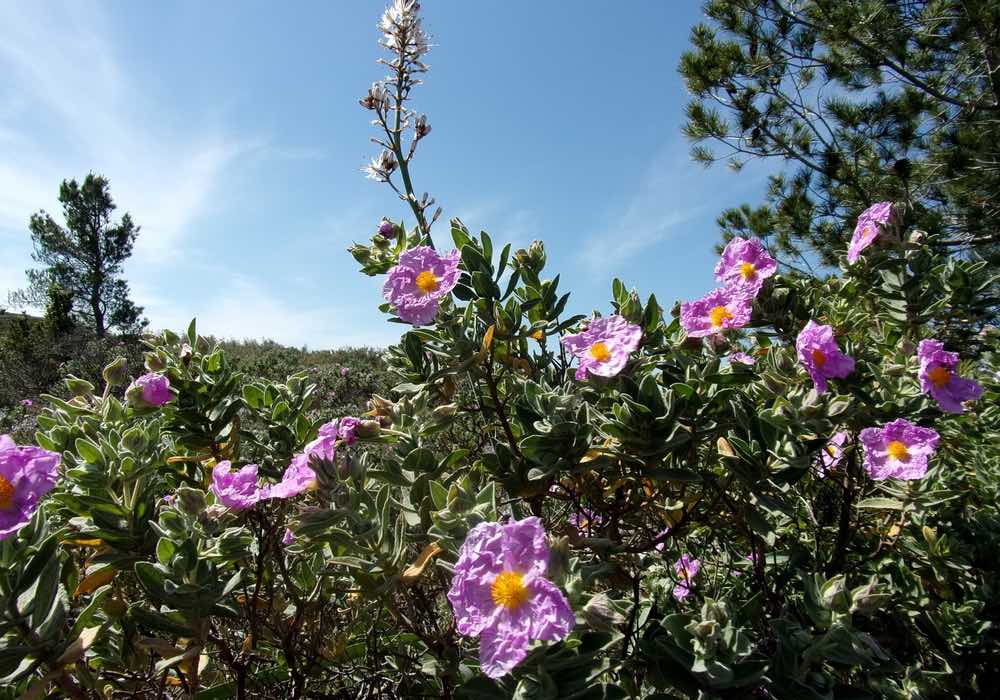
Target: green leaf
pixel 881 504
pixel 90 452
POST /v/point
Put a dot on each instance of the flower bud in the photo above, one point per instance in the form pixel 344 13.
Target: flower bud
pixel 115 373
pixel 79 387
pixel 190 501
pixel 386 229
pixel 154 361
pixel 368 429
pixel 600 615
pixel 361 253
pixel 381 243
pixel 444 413
pixel 186 354
pixel 421 128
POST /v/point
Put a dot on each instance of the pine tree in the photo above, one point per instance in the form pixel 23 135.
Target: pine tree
pixel 859 102
pixel 84 259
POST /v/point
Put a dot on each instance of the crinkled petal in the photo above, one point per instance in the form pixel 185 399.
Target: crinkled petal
pixel 504 645
pixel 525 549
pixel 551 616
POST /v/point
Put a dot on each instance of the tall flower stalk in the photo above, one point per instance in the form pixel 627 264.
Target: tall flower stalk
pixel 406 42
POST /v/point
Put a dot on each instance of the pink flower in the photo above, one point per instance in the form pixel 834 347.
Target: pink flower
pixel 742 358
pixel 938 377
pixel 500 594
pixel 871 223
pixel 660 546
pixel 719 310
pixel 237 490
pixel 604 347
pixel 149 390
pixel 819 353
pixel 347 429
pixel 898 450
pixel 27 403
pixel 288 537
pixel 298 477
pixel 586 521
pixel 419 281
pixel 686 569
pixel 745 264
pixel 26 474
pixel 344 371
pixel 831 455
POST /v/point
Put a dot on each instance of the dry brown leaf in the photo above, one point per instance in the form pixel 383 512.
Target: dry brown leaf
pixel 417 568
pixel 93 581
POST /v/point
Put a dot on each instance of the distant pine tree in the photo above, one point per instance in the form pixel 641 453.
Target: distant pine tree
pixel 862 102
pixel 84 260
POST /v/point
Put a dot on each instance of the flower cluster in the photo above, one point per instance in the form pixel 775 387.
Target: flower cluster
pixel 742 269
pixel 900 449
pixel 604 347
pixel 26 474
pixel 239 489
pixel 417 284
pixel 500 593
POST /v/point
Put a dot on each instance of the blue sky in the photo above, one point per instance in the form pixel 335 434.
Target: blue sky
pixel 231 132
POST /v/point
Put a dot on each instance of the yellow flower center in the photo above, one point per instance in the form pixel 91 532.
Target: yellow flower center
pixel 939 376
pixel 718 315
pixel 832 450
pixel 600 352
pixel 538 335
pixel 6 493
pixel 819 357
pixel 897 450
pixel 748 270
pixel 427 282
pixel 509 590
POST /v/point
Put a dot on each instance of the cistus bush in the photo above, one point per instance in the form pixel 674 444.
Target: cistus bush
pixel 785 489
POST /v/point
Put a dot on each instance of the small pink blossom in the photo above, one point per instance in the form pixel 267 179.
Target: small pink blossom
pixel 742 358
pixel 236 489
pixel 745 264
pixel 872 222
pixel 820 355
pixel 898 450
pixel 719 310
pixel 604 347
pixel 939 379
pixel 421 279
pixel 686 569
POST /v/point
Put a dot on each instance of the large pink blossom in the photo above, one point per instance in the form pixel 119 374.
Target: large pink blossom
pixel 717 311
pixel 604 347
pixel 898 450
pixel 26 474
pixel 745 264
pixel 499 593
pixel 421 279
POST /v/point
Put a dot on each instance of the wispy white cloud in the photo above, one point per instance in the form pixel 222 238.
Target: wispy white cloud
pixel 68 106
pixel 667 195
